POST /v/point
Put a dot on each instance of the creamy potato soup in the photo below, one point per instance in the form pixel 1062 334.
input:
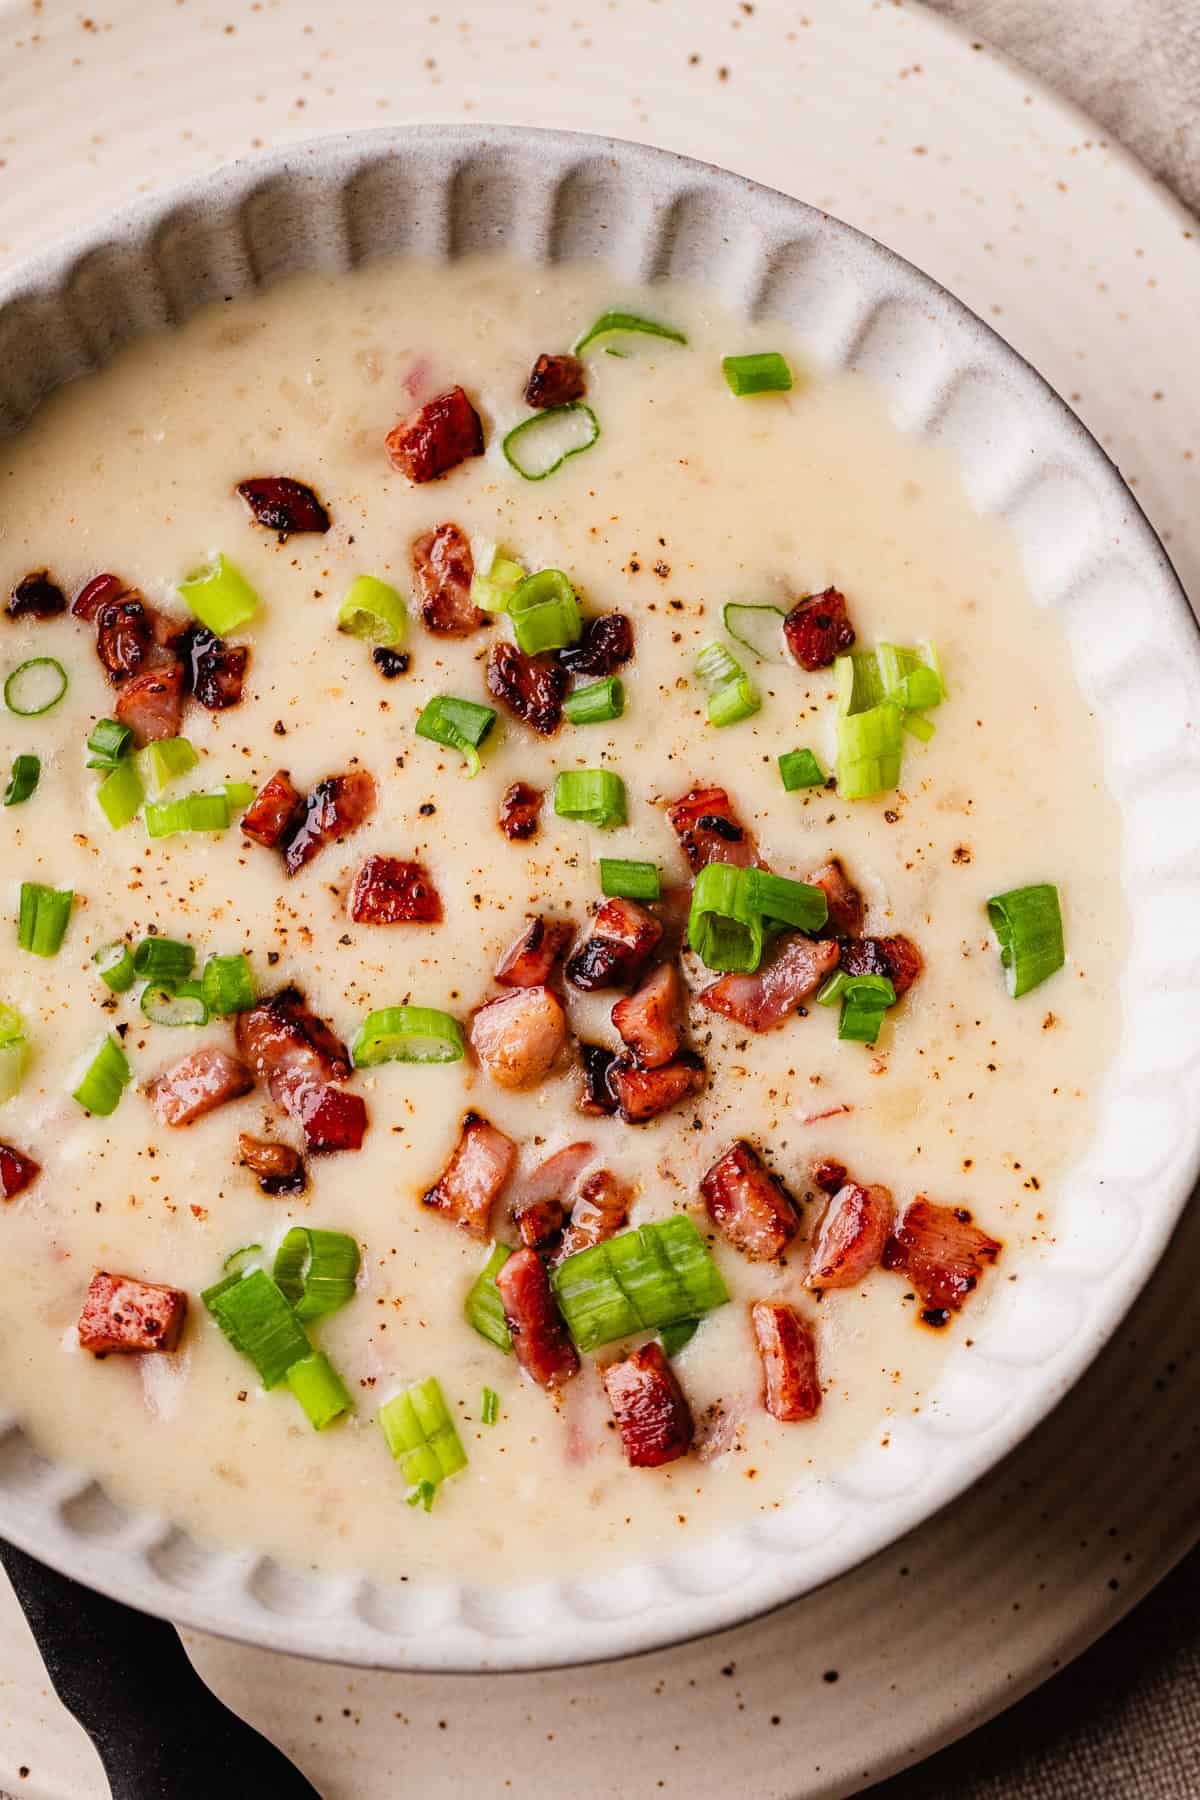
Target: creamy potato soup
pixel 774 1027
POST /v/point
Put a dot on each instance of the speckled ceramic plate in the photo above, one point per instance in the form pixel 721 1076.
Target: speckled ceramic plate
pixel 1089 553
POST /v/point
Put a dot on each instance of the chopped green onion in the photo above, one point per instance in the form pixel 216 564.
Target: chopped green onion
pixel 34 687
pixel 868 751
pixel 114 963
pixel 44 916
pixel 14 1052
pixel 918 726
pixel 858 681
pixel 1028 925
pixel 316 1270
pixel 220 596
pixel 596 703
pixel 104 1080
pixel 374 611
pixel 227 985
pixel 764 372
pixel 546 440
pixel 717 667
pixel 879 693
pixel 732 696
pixel 865 999
pixel 236 1260
pixel 163 761
pixel 26 773
pixel 164 1004
pixel 493 587
pixel 414 1034
pixel 674 1337
pixel 421 1435
pixel 759 628
pixel 611 322
pixel 830 991
pixel 483 1308
pixel 724 929
pixel 256 1318
pixel 239 794
pixel 545 612
pixel 785 902
pixel 657 1275
pixel 800 769
pixel 490 1410
pixel 195 812
pixel 912 678
pixel 120 794
pixel 108 742
pixel 596 796
pixel 623 880
pixel 424 1494
pixel 319 1389
pixel 164 959
pixel 458 724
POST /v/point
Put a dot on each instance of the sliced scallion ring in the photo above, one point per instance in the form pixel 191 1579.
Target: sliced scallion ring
pixel 43 918
pixel 374 611
pixel 458 724
pixel 759 628
pixel 114 964
pixel 26 773
pixel 421 1434
pixel 104 1079
pixel 1028 926
pixel 319 1389
pixel 220 596
pixel 483 1307
pixel 120 794
pixel 14 1052
pixel 416 1034
pixel 543 442
pixel 316 1270
pixel 496 580
pixel 258 1320
pixel 34 687
pixel 165 1004
pixel 610 324
pixel 762 372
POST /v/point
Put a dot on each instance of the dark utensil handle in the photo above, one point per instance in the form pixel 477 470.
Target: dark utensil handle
pixel 161 1734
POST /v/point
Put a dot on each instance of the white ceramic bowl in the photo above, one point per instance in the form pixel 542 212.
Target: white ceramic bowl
pixel 1090 554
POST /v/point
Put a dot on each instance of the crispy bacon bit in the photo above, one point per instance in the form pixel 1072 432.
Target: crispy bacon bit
pixel 852 1236
pixel 335 808
pixel 129 1316
pixel 278 1168
pixel 332 1119
pixel 291 1049
pixel 943 1253
pixel 216 671
pixel 817 629
pixel 749 1204
pixel 787 1347
pixel 540 1207
pixel 275 811
pixel 642 1094
pixel 123 636
pixel 519 1037
pixel 207 1078
pixel 796 968
pixel 828 1175
pixel 16 1172
pixel 555 381
pixel 846 909
pixel 532 687
pixel 437 437
pixel 283 505
pixel 389 662
pixel 519 811
pixel 896 957
pixel 443 569
pixel 97 593
pixel 36 597
pixel 601 1210
pixel 596 1097
pixel 151 703
pixel 607 642
pixel 708 831
pixel 653 1416
pixel 539 1335
pixel 623 935
pixel 529 962
pixel 387 891
pixel 647 1021
pixel 479 1166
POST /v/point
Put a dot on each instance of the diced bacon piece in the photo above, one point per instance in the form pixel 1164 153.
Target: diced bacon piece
pixel 335 808
pixel 278 1168
pixel 17 1172
pixel 96 593
pixel 539 1207
pixel 828 1175
pixel 601 1210
pixel 387 891
pixel 896 957
pixel 642 1094
pixel 607 642
pixel 788 1349
pixel 275 811
pixel 531 687
pixel 519 1037
pixel 817 629
pixel 283 505
pixel 846 909
pixel 332 1119
pixel 437 437
pixel 748 1204
pixel 123 636
pixel 203 1080
pixel 623 935
pixel 479 1166
pixel 596 1097
pixel 652 1413
pixel 130 1317
pixel 709 831
pixel 795 969
pixel 289 1048
pixel 539 1336
pixel 443 569
pixel 539 1222
pixel 216 671
pixel 151 703
pixel 943 1253
pixel 647 1021
pixel 555 381
pixel 530 960
pixel 36 597
pixel 519 809
pixel 851 1237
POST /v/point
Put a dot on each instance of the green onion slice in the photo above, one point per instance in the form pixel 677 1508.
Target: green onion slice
pixel 785 902
pixel 674 1337
pixel 316 1270
pixel 43 918
pixel 164 959
pixel 228 985
pixel 238 1260
pixel 195 812
pixel 596 703
pixel 759 628
pixel 424 1494
pixel 865 999
pixel 421 1435
pixel 108 742
pixel 489 1412
pixel 255 1316
pixel 545 612
pixel 239 794
pixel 14 1052
pixel 413 1034
pixel 26 773
pixel 496 580
pixel 164 761
pixel 610 323
pixel 546 440
pixel 918 726
pixel 483 1308
pixel 657 1275
pixel 120 794
pixel 374 611
pixel 912 678
pixel 763 372
pixel 34 687
pixel 596 796
pixel 732 695
pixel 717 667
pixel 220 596
pixel 319 1389
pixel 724 928
pixel 1028 925
pixel 800 769
pixel 114 964
pixel 868 751
pixel 624 880
pixel 458 724
pixel 164 1004
pixel 104 1080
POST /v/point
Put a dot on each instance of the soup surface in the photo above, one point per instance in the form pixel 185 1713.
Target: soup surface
pixel 689 499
